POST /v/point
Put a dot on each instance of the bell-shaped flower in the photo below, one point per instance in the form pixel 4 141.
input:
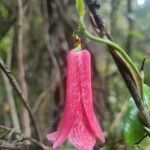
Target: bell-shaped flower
pixel 78 123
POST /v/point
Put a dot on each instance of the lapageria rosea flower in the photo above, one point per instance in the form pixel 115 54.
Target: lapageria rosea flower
pixel 78 123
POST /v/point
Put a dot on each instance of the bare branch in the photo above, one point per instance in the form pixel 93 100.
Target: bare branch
pixel 17 88
pixel 10 145
pixel 20 63
pixel 10 97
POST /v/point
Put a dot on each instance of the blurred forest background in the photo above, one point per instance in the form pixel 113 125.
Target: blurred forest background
pixel 35 36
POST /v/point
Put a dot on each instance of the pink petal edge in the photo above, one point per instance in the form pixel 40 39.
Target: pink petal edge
pixel 85 74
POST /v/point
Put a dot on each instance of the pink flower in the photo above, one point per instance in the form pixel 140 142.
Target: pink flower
pixel 78 123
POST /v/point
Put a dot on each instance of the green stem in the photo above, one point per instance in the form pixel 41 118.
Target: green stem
pixel 115 46
pixel 118 49
pixel 142 88
pixel 147 130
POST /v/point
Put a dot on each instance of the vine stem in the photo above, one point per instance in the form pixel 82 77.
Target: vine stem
pixel 132 76
pixel 83 30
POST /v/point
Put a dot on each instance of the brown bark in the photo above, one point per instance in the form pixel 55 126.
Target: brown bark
pixel 10 97
pixel 21 67
pixel 129 41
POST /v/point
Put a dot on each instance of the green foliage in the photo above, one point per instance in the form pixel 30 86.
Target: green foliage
pixel 133 129
pixel 145 144
pixel 137 34
pixel 3 11
pixel 4 45
pixel 80 7
pixel 147 95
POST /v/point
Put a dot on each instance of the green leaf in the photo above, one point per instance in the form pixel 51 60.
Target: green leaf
pixel 147 95
pixel 136 34
pixel 80 7
pixel 145 144
pixel 4 46
pixel 133 129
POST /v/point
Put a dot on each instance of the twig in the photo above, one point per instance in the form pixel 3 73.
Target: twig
pixel 17 88
pixel 118 117
pixel 10 97
pixel 94 6
pixel 38 102
pixel 21 66
pixel 7 145
pixel 130 28
pixel 4 144
pixel 11 101
pixel 135 89
pixel 4 134
pixel 143 63
pixel 147 130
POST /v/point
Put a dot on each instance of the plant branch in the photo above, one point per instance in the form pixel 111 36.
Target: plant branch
pixel 129 64
pixel 17 88
pixel 94 6
pixel 8 145
pixel 25 120
pixel 128 70
pixel 10 97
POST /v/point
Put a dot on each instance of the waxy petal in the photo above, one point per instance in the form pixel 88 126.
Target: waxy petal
pixel 78 122
pixel 52 136
pixel 86 88
pixel 72 100
pixel 80 137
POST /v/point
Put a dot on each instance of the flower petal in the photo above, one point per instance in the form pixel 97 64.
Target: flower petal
pixel 51 136
pixel 72 100
pixel 79 136
pixel 86 94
